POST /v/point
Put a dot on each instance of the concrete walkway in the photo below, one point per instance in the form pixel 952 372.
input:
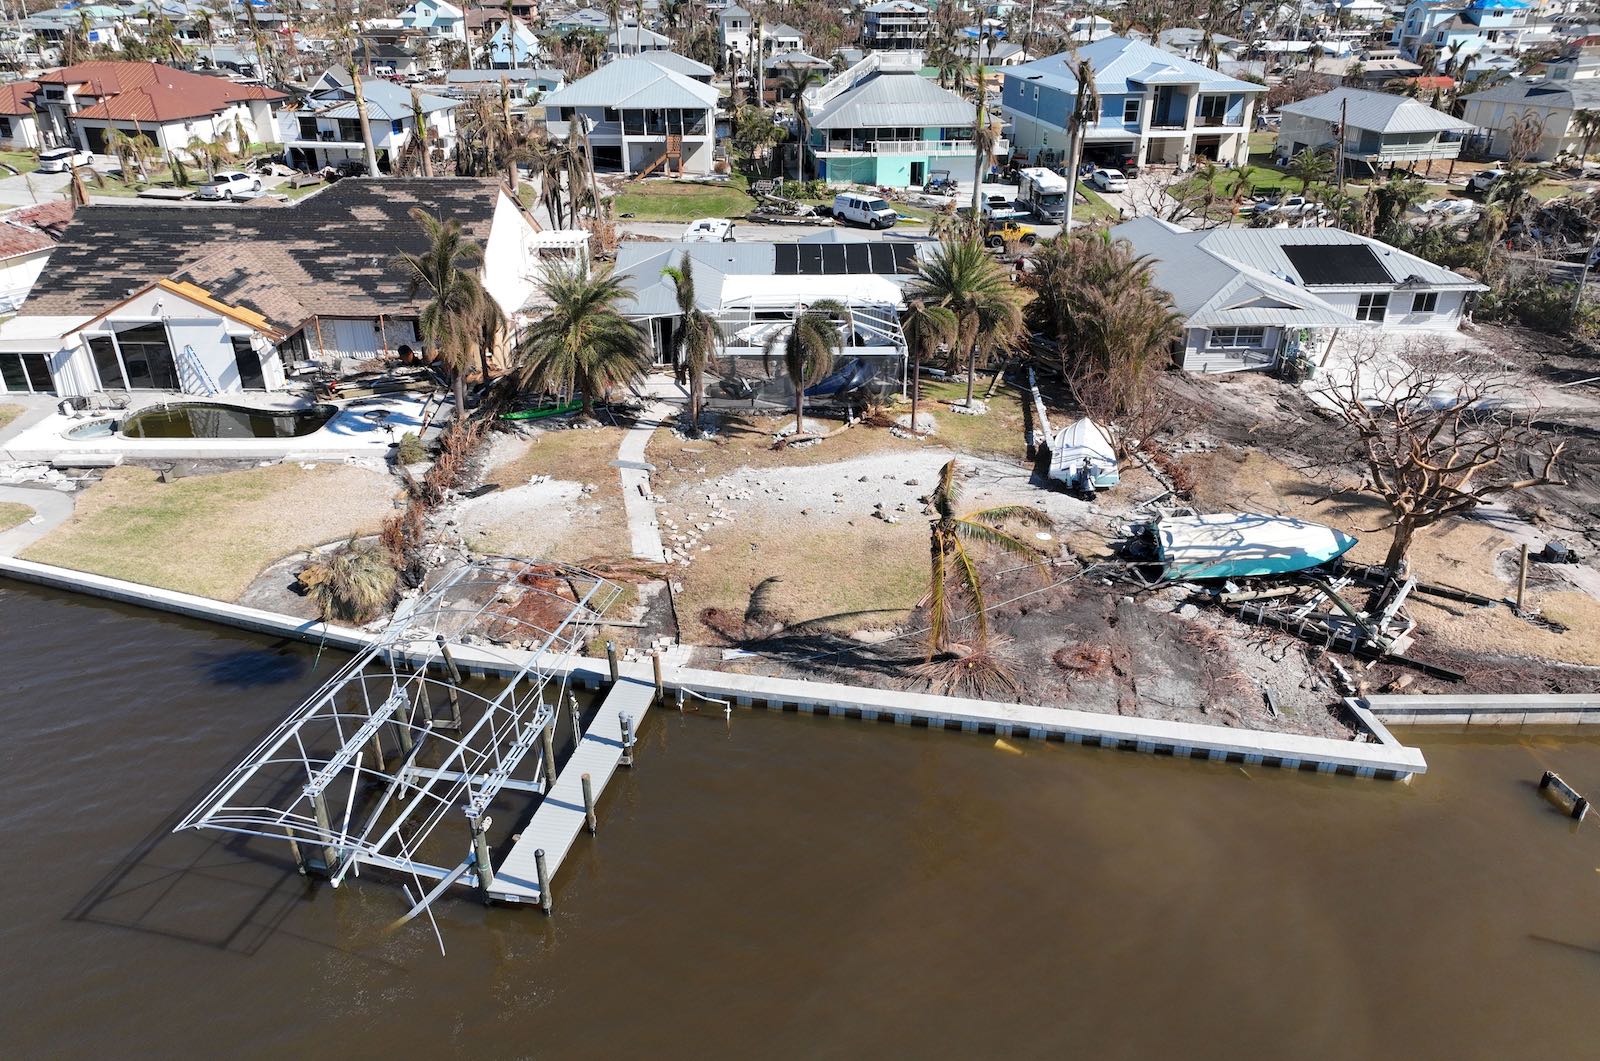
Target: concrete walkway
pixel 54 507
pixel 643 530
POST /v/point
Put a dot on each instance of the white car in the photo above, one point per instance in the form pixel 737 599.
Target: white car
pixel 1486 179
pixel 709 230
pixel 62 159
pixel 229 184
pixel 1109 180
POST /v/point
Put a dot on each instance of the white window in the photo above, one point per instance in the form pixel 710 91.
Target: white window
pixel 1236 338
pixel 1373 307
pixel 1426 302
pixel 1213 106
pixel 1130 111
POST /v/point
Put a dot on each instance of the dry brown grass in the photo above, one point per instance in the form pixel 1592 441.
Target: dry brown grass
pixel 747 443
pixel 839 577
pixel 581 455
pixel 211 535
pixel 12 514
pixel 8 413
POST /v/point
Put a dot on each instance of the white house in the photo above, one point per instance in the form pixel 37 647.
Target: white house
pixel 435 19
pixel 19 126
pixel 327 128
pixel 1456 29
pixel 145 298
pixel 640 116
pixel 1154 107
pixel 1249 296
pixel 635 40
pixel 1548 110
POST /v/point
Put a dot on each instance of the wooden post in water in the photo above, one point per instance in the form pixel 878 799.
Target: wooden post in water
pixel 480 851
pixel 330 856
pixel 655 662
pixel 588 803
pixel 294 849
pixel 1522 579
pixel 546 900
pixel 611 659
pixel 455 680
pixel 548 737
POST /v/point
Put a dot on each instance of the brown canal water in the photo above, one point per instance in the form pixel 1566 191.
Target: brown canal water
pixel 782 886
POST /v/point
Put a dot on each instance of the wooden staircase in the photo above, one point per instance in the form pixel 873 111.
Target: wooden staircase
pixel 673 153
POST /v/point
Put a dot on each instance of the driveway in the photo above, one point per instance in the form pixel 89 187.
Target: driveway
pixel 30 189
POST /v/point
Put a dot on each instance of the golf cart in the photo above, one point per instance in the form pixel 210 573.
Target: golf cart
pixel 939 183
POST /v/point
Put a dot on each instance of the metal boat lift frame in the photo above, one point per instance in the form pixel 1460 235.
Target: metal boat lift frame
pixel 311 782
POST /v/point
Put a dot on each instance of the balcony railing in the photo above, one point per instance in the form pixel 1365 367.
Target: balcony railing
pixel 1219 122
pixel 899 147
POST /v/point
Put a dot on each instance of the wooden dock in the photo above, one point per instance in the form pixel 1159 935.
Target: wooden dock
pixel 561 816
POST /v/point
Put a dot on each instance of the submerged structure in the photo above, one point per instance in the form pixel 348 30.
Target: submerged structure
pixel 392 766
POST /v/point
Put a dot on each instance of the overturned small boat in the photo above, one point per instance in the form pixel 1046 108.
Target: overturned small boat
pixel 1082 457
pixel 1242 545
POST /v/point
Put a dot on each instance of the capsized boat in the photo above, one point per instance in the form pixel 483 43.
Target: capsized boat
pixel 1243 545
pixel 1083 458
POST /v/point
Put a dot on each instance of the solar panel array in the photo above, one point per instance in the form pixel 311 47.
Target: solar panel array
pixel 845 259
pixel 1321 264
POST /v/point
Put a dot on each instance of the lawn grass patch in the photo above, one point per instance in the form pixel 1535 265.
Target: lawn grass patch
pixel 21 161
pixel 579 455
pixel 669 200
pixel 212 534
pixel 997 433
pixel 12 514
pixel 744 440
pixel 8 413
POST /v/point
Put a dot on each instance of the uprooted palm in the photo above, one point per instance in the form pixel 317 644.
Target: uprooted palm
pixel 950 534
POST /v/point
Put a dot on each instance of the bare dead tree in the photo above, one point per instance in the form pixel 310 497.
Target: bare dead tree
pixel 1438 444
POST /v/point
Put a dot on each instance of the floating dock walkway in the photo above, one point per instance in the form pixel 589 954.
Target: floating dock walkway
pixel 564 811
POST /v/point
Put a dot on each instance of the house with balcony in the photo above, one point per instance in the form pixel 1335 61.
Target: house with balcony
pixel 168 107
pixel 435 20
pixel 882 123
pixel 1250 296
pixel 1154 108
pixel 895 26
pixel 640 116
pixel 513 44
pixel 326 129
pixel 526 86
pixel 635 40
pixel 1379 129
pixel 1475 29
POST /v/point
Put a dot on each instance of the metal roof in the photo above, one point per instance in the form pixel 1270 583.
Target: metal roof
pixel 633 81
pixel 1263 249
pixel 886 99
pixel 1380 112
pixel 678 64
pixel 1120 64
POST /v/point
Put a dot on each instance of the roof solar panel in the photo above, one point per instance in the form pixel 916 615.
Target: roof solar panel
pixel 1324 265
pixel 905 258
pixel 787 262
pixel 857 258
pixel 810 258
pixel 833 259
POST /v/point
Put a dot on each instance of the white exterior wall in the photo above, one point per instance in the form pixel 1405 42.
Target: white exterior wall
pixel 24 133
pixel 17 276
pixel 1445 318
pixel 1197 356
pixel 510 266
pixel 257 116
pixel 1496 119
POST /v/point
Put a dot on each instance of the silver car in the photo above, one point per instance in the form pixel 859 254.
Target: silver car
pixel 230 184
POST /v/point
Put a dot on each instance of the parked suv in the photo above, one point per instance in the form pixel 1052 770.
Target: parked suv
pixel 62 159
pixel 1484 180
pixel 230 184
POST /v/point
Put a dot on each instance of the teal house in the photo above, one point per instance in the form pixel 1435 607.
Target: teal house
pixel 882 123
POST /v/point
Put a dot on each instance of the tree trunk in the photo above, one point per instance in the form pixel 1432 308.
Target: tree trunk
pixel 696 382
pixel 588 405
pixel 461 395
pixel 799 409
pixel 916 387
pixel 972 369
pixel 1404 531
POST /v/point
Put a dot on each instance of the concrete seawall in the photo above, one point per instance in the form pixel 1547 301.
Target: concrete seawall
pixel 1570 709
pixel 1380 755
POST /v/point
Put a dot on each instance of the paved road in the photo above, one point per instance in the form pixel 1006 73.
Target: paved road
pixel 31 188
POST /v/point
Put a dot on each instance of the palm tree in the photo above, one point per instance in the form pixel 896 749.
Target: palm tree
pixel 697 338
pixel 964 278
pixel 949 535
pixel 1309 167
pixel 1085 112
pixel 808 347
pixel 1587 122
pixel 583 342
pixel 925 325
pixel 451 322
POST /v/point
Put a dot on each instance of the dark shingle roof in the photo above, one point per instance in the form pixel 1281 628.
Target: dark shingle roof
pixel 328 255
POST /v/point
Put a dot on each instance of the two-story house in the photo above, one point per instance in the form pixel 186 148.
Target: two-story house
pixel 640 117
pixel 1379 129
pixel 513 45
pixel 1154 107
pixel 635 40
pixel 1455 31
pixel 895 25
pixel 882 123
pixel 168 107
pixel 326 129
pixel 435 20
pixel 1545 113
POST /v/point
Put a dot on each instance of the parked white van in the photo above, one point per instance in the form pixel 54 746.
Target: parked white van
pixel 869 210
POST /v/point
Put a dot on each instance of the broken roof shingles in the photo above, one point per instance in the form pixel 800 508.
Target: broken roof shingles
pixel 329 255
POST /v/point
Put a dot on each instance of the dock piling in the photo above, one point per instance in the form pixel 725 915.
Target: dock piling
pixel 455 680
pixel 588 804
pixel 548 737
pixel 480 851
pixel 627 739
pixel 1522 578
pixel 655 661
pixel 611 660
pixel 546 900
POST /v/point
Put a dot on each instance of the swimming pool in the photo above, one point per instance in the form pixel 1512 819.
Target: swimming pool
pixel 215 420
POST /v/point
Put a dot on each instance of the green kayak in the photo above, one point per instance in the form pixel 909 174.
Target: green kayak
pixel 543 411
